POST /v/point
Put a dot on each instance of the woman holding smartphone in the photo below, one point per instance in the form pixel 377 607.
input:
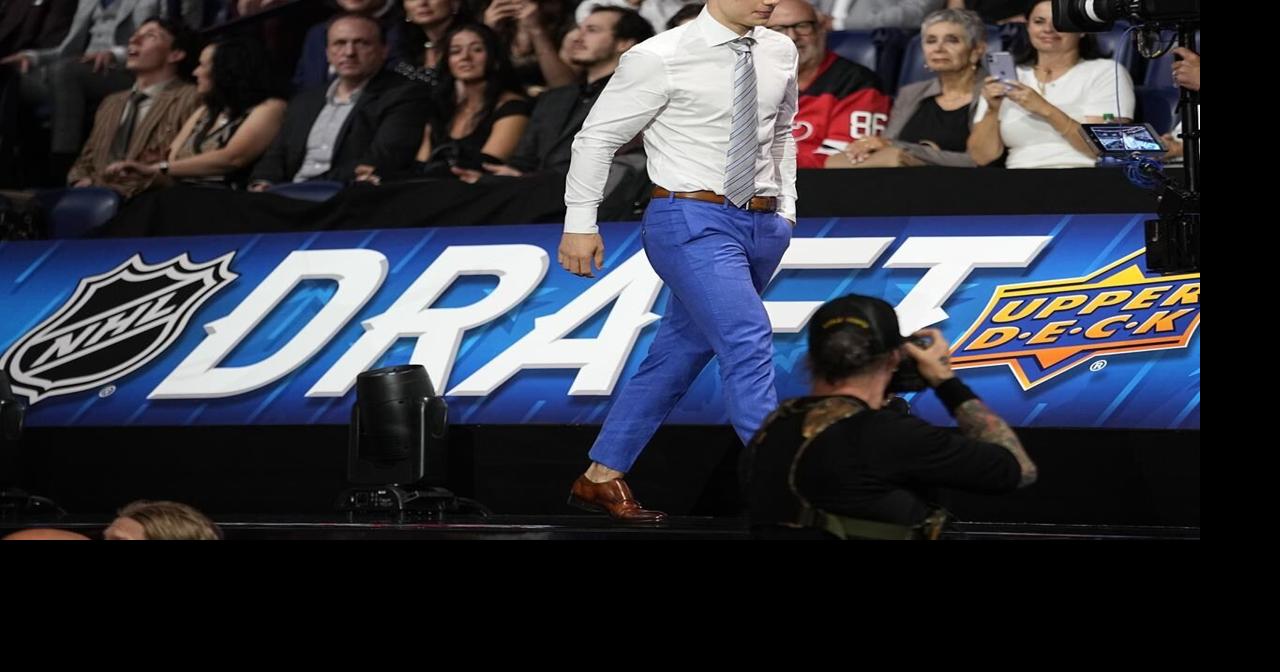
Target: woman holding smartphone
pixel 1063 80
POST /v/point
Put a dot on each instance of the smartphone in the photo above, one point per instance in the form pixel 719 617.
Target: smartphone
pixel 1000 64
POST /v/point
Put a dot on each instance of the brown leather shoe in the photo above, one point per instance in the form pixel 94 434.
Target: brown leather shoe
pixel 614 498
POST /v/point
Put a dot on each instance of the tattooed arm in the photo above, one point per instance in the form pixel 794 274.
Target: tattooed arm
pixel 975 419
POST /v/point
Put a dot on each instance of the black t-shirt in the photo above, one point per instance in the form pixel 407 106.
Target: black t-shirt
pixel 878 465
pixel 465 152
pixel 948 130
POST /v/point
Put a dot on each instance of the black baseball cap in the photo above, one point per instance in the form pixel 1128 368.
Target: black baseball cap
pixel 855 311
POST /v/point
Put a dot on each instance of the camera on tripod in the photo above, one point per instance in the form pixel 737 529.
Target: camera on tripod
pixel 1172 240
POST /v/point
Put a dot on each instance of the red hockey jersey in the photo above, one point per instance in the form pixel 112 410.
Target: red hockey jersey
pixel 845 102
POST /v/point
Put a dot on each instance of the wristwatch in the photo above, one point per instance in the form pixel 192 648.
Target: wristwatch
pixel 163 167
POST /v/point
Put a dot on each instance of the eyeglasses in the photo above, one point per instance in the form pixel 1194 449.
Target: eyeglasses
pixel 803 29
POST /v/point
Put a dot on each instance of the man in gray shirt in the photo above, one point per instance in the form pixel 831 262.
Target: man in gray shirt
pixel 366 117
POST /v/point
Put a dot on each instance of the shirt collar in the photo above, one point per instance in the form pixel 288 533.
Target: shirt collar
pixel 331 95
pixel 717 33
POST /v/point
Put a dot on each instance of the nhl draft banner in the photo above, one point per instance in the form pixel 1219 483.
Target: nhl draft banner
pixel 1053 320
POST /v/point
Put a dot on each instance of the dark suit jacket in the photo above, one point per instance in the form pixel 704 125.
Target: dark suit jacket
pixel 547 143
pixel 31 24
pixel 384 130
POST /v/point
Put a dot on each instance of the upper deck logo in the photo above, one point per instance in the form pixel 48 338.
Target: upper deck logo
pixel 112 325
pixel 1043 329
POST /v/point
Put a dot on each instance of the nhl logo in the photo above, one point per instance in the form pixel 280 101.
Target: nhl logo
pixel 112 325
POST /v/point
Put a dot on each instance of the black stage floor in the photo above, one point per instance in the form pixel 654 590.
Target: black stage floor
pixel 371 527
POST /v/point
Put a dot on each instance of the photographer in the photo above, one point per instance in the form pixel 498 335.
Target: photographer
pixel 843 463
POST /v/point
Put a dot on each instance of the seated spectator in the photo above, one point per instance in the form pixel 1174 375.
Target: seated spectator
pixel 141 123
pixel 161 521
pixel 481 112
pixel 872 14
pixel 931 120
pixel 89 64
pixel 1063 80
pixel 840 101
pixel 313 65
pixel 242 113
pixel 366 117
pixel 599 42
pixel 566 51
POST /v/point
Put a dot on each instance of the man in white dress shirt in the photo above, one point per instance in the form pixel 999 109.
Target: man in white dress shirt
pixel 715 99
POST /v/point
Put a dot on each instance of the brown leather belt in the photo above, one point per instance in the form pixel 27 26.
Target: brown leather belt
pixel 757 204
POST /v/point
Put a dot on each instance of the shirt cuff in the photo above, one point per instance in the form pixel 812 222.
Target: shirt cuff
pixel 580 219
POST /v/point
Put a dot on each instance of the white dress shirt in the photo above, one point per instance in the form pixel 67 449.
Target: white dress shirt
pixel 677 88
pixel 1089 89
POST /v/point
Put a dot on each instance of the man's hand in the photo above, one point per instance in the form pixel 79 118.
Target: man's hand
pixel 578 250
pixel 935 361
pixel 1186 72
pixel 101 60
pixel 467 175
pixel 18 60
pixel 127 169
pixel 889 157
pixel 367 173
pixel 504 171
pixel 501 10
pixel 860 149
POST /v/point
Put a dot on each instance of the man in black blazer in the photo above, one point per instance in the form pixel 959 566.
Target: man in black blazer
pixel 366 120
pixel 33 24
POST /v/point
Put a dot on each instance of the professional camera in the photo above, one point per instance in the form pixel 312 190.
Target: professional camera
pixel 1172 240
pixel 1097 16
pixel 907 378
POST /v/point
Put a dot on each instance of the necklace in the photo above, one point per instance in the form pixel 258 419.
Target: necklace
pixel 1042 80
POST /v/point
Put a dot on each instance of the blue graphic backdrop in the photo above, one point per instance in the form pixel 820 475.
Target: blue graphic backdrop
pixel 1157 389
